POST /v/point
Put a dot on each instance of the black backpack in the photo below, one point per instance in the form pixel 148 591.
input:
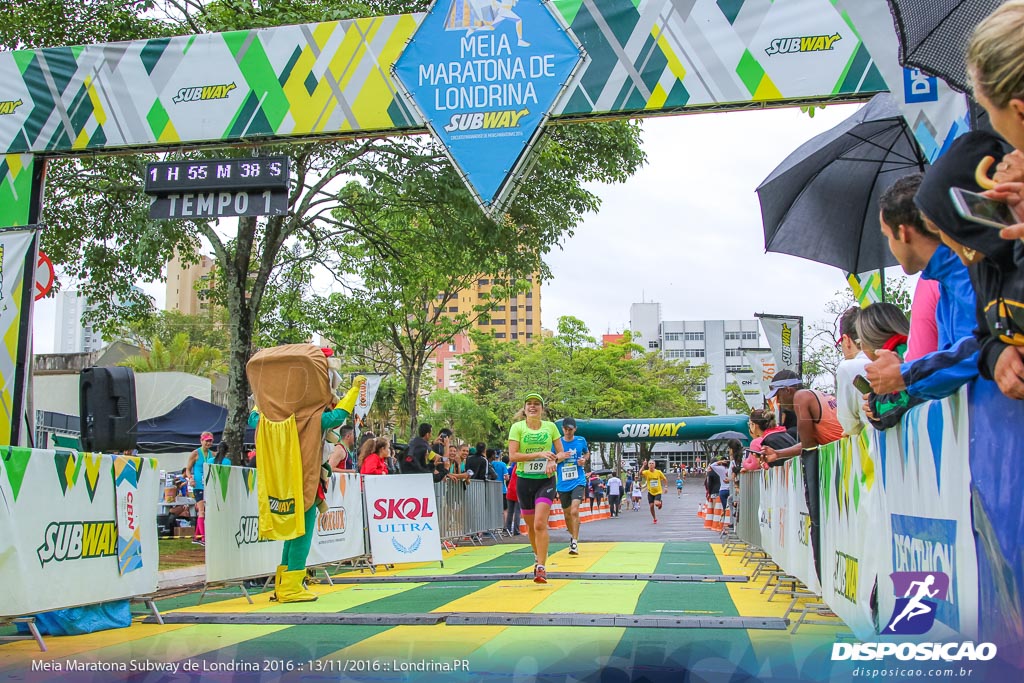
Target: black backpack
pixel 492 474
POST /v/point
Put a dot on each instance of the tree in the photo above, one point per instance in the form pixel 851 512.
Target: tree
pixel 107 241
pixel 734 398
pixel 179 356
pixel 470 422
pixel 208 328
pixel 28 24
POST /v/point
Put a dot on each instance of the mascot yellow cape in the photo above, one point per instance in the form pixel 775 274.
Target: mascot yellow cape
pixel 291 385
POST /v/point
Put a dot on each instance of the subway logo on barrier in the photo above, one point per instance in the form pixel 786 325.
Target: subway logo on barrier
pixel 249 531
pixel 9 106
pixel 788 46
pixel 845 577
pixel 203 92
pixel 486 120
pixel 650 429
pixel 77 541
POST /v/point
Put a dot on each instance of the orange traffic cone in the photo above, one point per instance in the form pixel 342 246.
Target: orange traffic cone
pixel 727 521
pixel 709 516
pixel 700 511
pixel 717 524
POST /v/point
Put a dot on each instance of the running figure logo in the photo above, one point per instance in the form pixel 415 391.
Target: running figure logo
pixel 482 15
pixel 914 613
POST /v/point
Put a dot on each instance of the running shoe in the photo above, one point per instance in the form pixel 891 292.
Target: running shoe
pixel 655 520
pixel 198 541
pixel 540 575
pixel 574 547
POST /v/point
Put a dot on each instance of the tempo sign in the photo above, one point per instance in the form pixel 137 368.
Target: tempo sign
pixel 218 188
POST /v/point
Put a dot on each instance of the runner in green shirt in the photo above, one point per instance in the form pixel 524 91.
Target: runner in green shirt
pixel 535 446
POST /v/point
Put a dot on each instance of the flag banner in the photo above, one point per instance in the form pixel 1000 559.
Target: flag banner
pixel 367 393
pixel 402 517
pixel 750 386
pixel 17 252
pixel 785 337
pixel 762 364
pixel 129 524
pixel 60 526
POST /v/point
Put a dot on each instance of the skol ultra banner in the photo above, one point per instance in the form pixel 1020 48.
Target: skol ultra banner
pixel 402 516
pixel 59 531
pixel 785 337
pixel 17 292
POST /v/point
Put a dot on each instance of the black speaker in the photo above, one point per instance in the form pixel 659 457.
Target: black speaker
pixel 107 409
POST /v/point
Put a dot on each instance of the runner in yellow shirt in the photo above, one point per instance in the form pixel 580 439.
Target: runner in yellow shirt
pixel 654 481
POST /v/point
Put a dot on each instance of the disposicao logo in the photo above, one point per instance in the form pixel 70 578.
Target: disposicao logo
pixel 788 46
pixel 914 613
pixel 203 92
pixel 9 106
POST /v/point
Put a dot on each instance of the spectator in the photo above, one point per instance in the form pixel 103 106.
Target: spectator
pixel 415 459
pixel 476 463
pixel 817 423
pixel 500 470
pixel 997 279
pixel 848 398
pixel 341 458
pixel 203 455
pixel 724 471
pixel 512 510
pixel 924 330
pixel 372 456
pixel 766 433
pixel 615 495
pixel 915 243
pixel 883 326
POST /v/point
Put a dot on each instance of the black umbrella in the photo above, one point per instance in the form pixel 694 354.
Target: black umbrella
pixel 933 35
pixel 725 436
pixel 821 203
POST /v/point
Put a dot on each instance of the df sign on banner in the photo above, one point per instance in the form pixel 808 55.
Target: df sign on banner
pixel 403 521
pixel 484 77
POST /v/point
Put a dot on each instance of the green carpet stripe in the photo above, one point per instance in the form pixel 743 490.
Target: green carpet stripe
pixel 425 598
pixel 297 643
pixel 603 597
pixel 688 558
pixel 345 599
pixel 517 559
pixel 624 558
pixel 183 643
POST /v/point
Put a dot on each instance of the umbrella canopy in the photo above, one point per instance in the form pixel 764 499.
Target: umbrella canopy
pixel 821 203
pixel 933 35
pixel 725 436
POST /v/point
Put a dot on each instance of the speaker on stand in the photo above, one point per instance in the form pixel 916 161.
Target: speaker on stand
pixel 108 411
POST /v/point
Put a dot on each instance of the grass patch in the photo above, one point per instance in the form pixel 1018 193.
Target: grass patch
pixel 180 552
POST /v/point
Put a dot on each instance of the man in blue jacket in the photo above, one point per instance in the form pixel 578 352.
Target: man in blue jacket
pixel 919 250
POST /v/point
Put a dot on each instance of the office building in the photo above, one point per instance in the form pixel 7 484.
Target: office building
pixel 184 282
pixel 72 335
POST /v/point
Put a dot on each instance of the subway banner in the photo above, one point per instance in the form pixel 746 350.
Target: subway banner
pixel 234 549
pixel 785 337
pixel 784 522
pixel 60 534
pixel 402 516
pixel 17 292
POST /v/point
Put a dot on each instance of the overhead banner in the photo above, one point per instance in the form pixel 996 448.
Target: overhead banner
pixel 402 516
pixel 60 530
pixel 483 76
pixel 17 292
pixel 785 337
pixel 658 429
pixel 364 401
pixel 234 549
pixel 762 364
pixel 750 386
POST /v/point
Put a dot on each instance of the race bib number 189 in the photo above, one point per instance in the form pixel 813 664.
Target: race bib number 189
pixel 535 466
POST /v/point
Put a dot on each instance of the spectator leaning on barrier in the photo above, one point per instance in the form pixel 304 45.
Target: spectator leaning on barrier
pixel 476 463
pixel 919 250
pixel 848 398
pixel 415 459
pixel 884 326
pixel 372 456
pixel 815 411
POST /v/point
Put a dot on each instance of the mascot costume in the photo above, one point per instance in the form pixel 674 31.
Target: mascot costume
pixel 292 388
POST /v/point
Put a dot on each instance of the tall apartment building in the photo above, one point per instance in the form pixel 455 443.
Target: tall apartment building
pixel 718 343
pixel 513 319
pixel 71 335
pixel 182 280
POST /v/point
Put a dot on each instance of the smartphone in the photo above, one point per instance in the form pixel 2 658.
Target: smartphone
pixel 756 453
pixel 862 384
pixel 980 209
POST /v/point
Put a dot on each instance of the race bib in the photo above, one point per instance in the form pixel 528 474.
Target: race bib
pixel 535 466
pixel 570 471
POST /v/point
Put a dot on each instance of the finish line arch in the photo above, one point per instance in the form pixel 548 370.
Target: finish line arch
pixel 335 79
pixel 666 429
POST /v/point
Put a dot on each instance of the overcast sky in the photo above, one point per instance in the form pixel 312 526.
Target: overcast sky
pixel 685 231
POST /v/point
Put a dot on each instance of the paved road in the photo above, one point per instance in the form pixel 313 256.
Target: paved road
pixel 677 520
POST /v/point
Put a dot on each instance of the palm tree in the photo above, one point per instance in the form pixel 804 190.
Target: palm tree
pixel 180 356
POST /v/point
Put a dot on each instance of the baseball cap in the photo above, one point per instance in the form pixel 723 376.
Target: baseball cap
pixel 533 394
pixel 569 422
pixel 783 379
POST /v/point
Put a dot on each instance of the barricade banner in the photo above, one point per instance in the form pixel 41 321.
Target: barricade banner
pixel 59 531
pixel 747 526
pixel 129 526
pixel 785 523
pixel 853 525
pixel 17 275
pixel 403 519
pixel 339 531
pixel 234 549
pixel 927 506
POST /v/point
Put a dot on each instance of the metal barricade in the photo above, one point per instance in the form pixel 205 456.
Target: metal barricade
pixel 749 524
pixel 469 510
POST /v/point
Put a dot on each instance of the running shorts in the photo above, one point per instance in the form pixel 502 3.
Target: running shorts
pixel 533 491
pixel 567 497
pixel 651 497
